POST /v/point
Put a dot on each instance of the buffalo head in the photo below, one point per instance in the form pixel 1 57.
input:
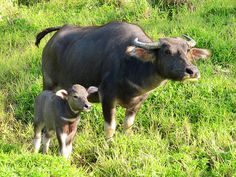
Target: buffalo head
pixel 172 57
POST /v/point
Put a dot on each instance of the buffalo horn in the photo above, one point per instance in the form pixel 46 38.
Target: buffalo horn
pixel 189 40
pixel 149 46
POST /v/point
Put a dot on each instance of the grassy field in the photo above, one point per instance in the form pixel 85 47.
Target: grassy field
pixel 183 129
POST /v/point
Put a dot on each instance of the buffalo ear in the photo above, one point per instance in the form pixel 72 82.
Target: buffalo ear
pixel 92 89
pixel 200 53
pixel 62 93
pixel 140 53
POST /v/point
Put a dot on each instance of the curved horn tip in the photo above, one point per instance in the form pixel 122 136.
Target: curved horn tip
pixel 184 35
pixel 187 37
pixel 190 41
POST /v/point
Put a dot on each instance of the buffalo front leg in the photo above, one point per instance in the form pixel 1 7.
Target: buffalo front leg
pixel 108 107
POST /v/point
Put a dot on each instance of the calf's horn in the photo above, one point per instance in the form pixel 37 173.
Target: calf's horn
pixel 151 45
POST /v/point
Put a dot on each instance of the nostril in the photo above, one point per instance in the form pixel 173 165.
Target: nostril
pixel 189 71
pixel 86 106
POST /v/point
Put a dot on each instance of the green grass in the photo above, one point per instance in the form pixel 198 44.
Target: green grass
pixel 182 129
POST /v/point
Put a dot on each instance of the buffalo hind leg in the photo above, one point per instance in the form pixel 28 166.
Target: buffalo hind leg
pixel 129 118
pixel 48 83
pixel 131 113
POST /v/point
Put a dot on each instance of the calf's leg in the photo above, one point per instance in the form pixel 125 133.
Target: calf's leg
pixel 38 126
pixel 69 149
pixel 46 141
pixel 70 138
pixel 61 137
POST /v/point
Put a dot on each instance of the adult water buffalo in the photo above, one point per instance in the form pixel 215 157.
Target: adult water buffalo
pixel 120 59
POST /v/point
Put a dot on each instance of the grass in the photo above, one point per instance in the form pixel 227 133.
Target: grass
pixel 183 129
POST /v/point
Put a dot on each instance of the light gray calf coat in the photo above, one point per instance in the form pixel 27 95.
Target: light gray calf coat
pixel 60 112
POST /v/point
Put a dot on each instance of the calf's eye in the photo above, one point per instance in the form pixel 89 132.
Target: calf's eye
pixel 75 97
pixel 167 52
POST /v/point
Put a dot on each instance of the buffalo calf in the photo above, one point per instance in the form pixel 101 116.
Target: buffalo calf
pixel 60 112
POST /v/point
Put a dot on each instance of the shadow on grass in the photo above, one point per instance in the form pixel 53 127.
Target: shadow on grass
pixel 9 148
pixel 222 12
pixel 87 159
pixel 172 7
pixel 30 2
pixel 213 15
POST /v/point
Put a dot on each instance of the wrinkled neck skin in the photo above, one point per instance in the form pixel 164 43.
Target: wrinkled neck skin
pixel 144 77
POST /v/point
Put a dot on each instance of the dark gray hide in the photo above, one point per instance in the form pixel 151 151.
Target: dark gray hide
pixel 107 57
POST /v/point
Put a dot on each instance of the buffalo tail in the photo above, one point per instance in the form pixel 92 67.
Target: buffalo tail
pixel 44 33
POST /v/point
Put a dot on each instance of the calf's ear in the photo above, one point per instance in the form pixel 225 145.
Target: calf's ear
pixel 200 53
pixel 62 93
pixel 140 53
pixel 92 89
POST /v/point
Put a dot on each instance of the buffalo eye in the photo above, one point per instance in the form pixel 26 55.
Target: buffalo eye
pixel 75 97
pixel 167 52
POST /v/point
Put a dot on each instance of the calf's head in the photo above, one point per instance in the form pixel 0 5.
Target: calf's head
pixel 172 57
pixel 77 96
